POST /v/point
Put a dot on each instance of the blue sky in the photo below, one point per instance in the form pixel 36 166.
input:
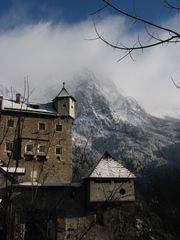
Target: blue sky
pixel 46 40
pixel 17 12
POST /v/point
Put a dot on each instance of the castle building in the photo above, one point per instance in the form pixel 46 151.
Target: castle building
pixel 36 171
pixel 37 138
pixel 110 181
pixel 101 206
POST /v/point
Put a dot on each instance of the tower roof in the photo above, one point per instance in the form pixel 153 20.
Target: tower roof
pixel 64 93
pixel 107 167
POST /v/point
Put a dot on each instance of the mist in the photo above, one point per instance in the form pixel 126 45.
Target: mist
pixel 52 53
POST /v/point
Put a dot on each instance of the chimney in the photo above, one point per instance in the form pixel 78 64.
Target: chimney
pixel 18 97
pixel 1 102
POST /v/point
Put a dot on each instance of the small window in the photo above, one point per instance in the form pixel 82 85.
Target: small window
pixel 64 105
pixel 9 146
pixel 28 157
pixel 41 158
pixel 29 148
pixel 10 123
pixel 58 128
pixel 41 148
pixel 41 126
pixel 58 150
pixel 122 191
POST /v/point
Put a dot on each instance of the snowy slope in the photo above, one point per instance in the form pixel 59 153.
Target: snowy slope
pixel 110 121
pixel 101 92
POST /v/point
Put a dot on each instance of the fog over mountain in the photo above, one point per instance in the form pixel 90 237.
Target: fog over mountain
pixel 51 53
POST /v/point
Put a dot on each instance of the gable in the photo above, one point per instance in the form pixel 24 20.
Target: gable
pixel 107 167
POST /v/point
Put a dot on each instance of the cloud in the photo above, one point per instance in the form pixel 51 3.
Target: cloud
pixel 51 53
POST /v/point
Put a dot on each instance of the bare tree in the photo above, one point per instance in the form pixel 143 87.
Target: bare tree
pixel 156 34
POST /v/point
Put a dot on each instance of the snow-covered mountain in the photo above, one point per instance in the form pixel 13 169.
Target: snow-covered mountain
pixel 121 107
pixel 110 121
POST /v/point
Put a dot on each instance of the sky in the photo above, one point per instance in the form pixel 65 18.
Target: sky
pixel 48 41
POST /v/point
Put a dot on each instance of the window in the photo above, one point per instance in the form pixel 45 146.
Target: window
pixel 41 148
pixel 9 146
pixel 58 150
pixel 58 128
pixel 29 148
pixel 41 126
pixel 41 158
pixel 28 157
pixel 10 123
pixel 122 191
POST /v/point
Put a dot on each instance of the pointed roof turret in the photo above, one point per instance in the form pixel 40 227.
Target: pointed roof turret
pixel 64 93
pixel 107 167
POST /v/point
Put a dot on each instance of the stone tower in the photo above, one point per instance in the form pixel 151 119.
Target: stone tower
pixel 64 103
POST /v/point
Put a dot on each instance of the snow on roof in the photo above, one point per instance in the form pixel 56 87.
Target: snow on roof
pixel 107 167
pixel 50 184
pixel 60 184
pixel 12 105
pixel 28 184
pixel 14 170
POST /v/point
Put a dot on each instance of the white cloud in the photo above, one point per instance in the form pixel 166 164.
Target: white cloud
pixel 50 54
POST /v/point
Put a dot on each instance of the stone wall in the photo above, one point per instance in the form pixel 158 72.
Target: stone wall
pixel 47 166
pixel 65 213
pixel 111 190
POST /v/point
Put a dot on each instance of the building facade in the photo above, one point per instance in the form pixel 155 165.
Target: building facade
pixel 38 137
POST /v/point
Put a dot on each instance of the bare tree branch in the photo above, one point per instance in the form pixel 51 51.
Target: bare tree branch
pixel 172 36
pixel 175 84
pixel 140 19
pixel 169 5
